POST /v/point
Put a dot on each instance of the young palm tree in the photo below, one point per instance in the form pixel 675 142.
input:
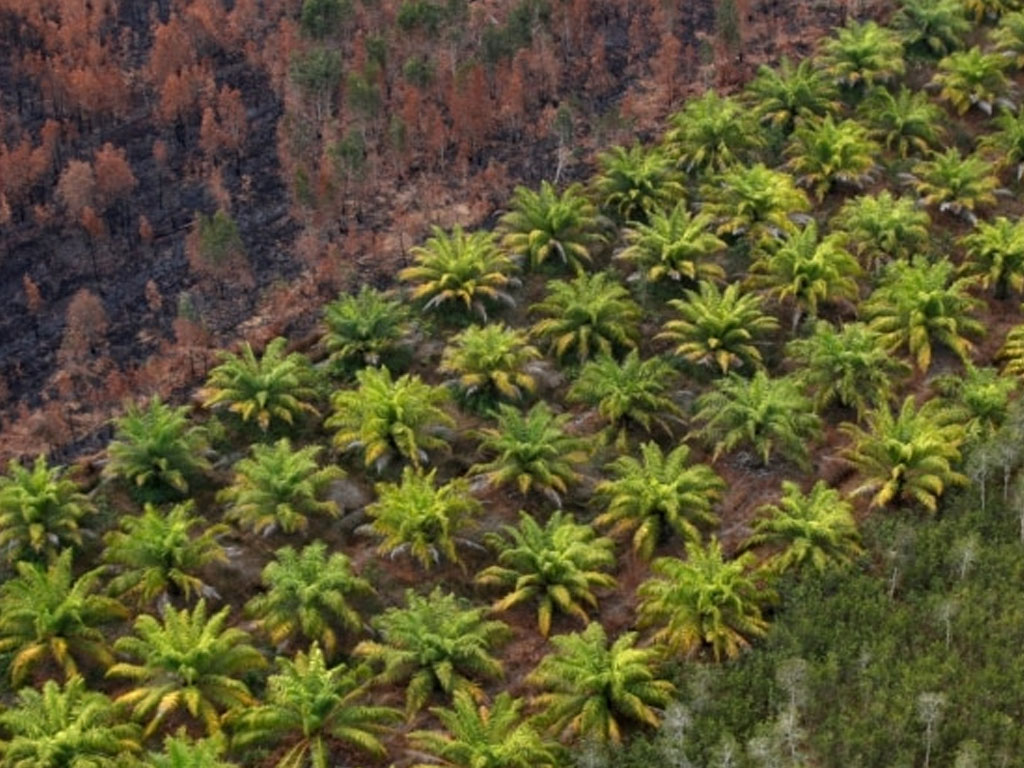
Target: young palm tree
pixel 557 565
pixel 156 451
pixel 781 95
pixel 1012 352
pixel 545 224
pixel 630 392
pixel 279 488
pixel 990 9
pixel 1008 38
pixel 918 305
pixel 481 736
pixel 703 601
pixel 907 457
pixel 754 201
pixel 880 228
pixel 863 54
pixel 183 752
pixel 160 555
pixel 309 707
pixel 531 451
pixel 593 314
pixel 386 418
pixel 807 271
pixel 1005 145
pixel 936 27
pixel 188 661
pixel 995 255
pixel 436 642
pixel 365 328
pixel 40 510
pixel 711 133
pixel 972 78
pixel 823 153
pixel 656 494
pixel 49 618
pixel 676 245
pixel 960 185
pixel 590 685
pixel 814 528
pixel 767 414
pixel 905 122
pixel 307 595
pixel 849 366
pixel 466 271
pixel 635 182
pixel 718 329
pixel 491 362
pixel 421 517
pixel 979 399
pixel 65 727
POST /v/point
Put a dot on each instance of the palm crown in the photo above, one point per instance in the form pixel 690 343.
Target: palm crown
pixel 589 685
pixel 935 26
pixel 880 228
pixel 636 182
pixel 658 493
pixel 711 133
pixel 543 225
pixel 557 565
pixel 1008 38
pixel 40 510
pixel 995 255
pixel 675 245
pixel 491 362
pixel 824 152
pixel 1005 145
pixel 972 78
pixel 782 95
pixel 863 54
pixel 434 642
pixel 276 387
pixel 905 122
pixel 365 328
pixel 754 201
pixel 961 185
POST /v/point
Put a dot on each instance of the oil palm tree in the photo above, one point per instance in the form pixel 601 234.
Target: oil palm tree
pixel 40 509
pixel 633 392
pixel 48 618
pixel 485 736
pixel 460 272
pixel 435 642
pixel 936 27
pixel 908 456
pixel 180 751
pixel 633 183
pixel 1008 38
pixel 905 122
pixel 770 415
pixel 814 529
pixel 531 451
pixel 656 494
pixel 754 201
pixel 64 727
pixel 677 245
pixel 807 271
pixel 981 10
pixel 703 601
pixel 156 450
pixel 1012 352
pixel 863 55
pixel 278 488
pixel 972 78
pixel 543 225
pixel 365 328
pixel 491 363
pixel 590 315
pixel 995 255
pixel 919 304
pixel 711 133
pixel 422 517
pixel 306 594
pixel 589 685
pixel 718 329
pixel 823 153
pixel 386 418
pixel 848 366
pixel 161 555
pixel 880 228
pixel 1004 146
pixel 309 707
pixel 185 664
pixel 954 183
pixel 780 95
pixel 557 565
pixel 274 388
pixel 979 399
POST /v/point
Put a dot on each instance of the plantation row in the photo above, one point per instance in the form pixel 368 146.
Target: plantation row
pixel 824 266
